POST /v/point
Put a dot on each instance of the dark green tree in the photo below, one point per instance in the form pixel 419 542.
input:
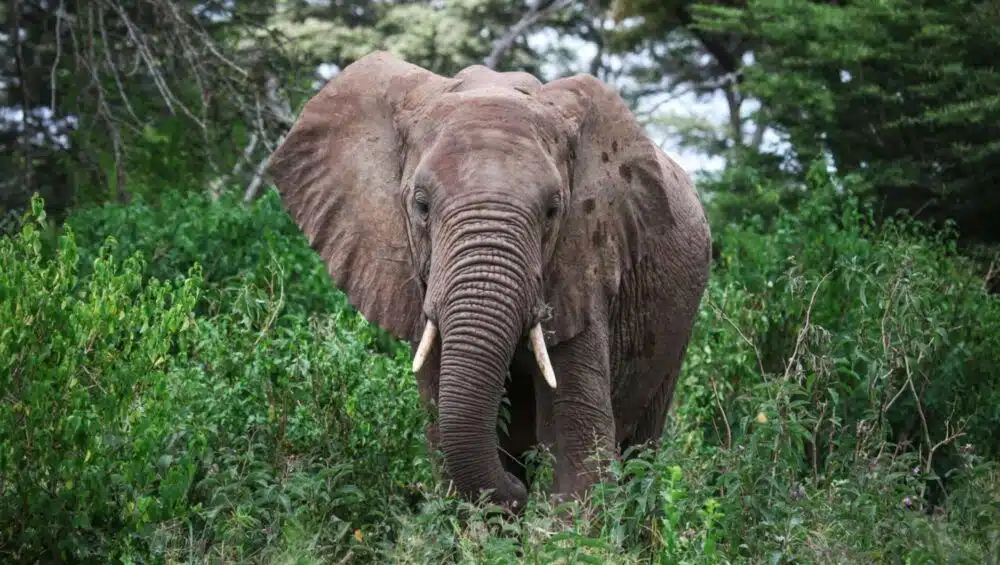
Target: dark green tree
pixel 905 93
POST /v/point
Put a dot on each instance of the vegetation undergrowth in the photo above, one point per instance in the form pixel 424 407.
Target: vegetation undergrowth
pixel 181 384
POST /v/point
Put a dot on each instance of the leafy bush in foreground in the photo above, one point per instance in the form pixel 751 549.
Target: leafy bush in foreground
pixel 237 247
pixel 233 244
pixel 880 334
pixel 82 367
pixel 133 429
pixel 169 423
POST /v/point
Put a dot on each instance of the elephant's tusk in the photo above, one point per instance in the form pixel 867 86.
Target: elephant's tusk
pixel 542 355
pixel 426 341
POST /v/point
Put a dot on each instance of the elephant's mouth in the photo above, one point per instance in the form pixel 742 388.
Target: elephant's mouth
pixel 536 341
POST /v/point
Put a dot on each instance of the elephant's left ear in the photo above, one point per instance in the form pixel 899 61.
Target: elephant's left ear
pixel 627 201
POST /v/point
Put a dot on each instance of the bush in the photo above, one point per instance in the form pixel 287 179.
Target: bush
pixel 238 247
pixel 849 365
pixel 887 332
pixel 234 244
pixel 152 422
pixel 83 365
pixel 136 430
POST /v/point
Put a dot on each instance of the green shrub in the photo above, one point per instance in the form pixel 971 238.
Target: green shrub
pixel 135 430
pixel 238 247
pixel 234 244
pixel 223 420
pixel 306 430
pixel 83 365
pixel 885 332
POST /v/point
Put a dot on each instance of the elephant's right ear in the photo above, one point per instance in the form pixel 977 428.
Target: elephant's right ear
pixel 339 172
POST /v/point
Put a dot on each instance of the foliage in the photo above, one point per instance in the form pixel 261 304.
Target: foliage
pixel 679 52
pixel 135 430
pixel 84 360
pixel 108 99
pixel 230 242
pixel 897 91
pixel 886 332
pixel 754 187
pixel 237 248
pixel 149 417
pixel 444 38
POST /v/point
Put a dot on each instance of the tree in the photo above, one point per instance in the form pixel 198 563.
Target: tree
pixel 106 99
pixel 678 58
pixel 441 36
pixel 904 93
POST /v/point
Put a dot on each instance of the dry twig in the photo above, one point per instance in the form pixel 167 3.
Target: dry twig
pixel 806 326
pixel 110 47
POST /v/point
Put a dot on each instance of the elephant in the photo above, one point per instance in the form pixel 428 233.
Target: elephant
pixel 525 238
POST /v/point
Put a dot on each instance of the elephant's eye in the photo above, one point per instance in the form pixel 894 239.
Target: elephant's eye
pixel 553 210
pixel 420 203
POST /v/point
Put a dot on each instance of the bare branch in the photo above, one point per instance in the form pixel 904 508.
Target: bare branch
pixel 538 10
pixel 55 63
pixel 758 135
pixel 114 70
pixel 734 102
pixel 806 326
pixel 131 64
pixel 279 109
pixel 255 182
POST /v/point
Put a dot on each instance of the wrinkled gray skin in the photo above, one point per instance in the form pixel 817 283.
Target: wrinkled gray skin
pixel 488 203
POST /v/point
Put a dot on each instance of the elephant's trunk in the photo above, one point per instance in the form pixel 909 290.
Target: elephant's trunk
pixel 488 287
pixel 475 354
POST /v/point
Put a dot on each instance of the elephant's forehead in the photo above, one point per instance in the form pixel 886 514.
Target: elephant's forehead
pixel 472 137
pixel 508 147
pixel 479 157
pixel 494 107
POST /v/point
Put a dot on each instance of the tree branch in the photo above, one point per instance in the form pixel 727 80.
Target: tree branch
pixel 734 102
pixel 535 13
pixel 727 61
pixel 280 110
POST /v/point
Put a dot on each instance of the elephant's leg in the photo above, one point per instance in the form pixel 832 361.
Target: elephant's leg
pixel 576 418
pixel 654 316
pixel 649 426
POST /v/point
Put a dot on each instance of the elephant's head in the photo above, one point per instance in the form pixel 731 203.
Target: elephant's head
pixel 468 213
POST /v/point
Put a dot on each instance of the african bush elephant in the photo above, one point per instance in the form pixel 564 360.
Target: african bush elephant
pixel 498 223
